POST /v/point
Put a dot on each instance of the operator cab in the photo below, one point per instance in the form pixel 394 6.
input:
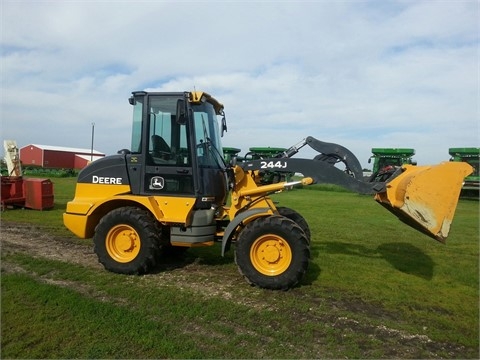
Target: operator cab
pixel 176 148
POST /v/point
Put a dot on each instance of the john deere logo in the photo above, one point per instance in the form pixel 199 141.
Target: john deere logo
pixel 157 183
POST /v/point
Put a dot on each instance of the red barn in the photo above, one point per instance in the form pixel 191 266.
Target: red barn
pixel 57 157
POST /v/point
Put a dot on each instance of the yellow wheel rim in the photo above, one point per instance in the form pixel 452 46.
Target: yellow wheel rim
pixel 123 243
pixel 271 255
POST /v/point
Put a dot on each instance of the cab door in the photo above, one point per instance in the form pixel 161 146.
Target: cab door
pixel 168 164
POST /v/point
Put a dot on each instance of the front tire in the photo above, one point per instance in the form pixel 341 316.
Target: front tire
pixel 128 241
pixel 295 216
pixel 272 252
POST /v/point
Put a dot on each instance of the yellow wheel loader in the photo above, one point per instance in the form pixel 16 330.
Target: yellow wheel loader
pixel 172 190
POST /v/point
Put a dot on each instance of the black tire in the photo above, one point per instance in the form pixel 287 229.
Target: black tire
pixel 296 217
pixel 128 241
pixel 272 252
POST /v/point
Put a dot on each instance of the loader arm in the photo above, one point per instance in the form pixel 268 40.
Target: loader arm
pixel 424 197
pixel 330 153
pixel 322 172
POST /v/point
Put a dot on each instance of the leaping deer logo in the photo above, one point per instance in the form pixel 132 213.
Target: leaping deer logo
pixel 157 183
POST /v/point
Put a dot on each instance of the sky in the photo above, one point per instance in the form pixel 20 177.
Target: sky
pixel 362 74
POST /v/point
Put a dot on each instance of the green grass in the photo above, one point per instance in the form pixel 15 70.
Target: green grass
pixel 375 289
pixel 362 250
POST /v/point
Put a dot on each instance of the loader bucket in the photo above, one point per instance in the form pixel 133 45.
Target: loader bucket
pixel 425 197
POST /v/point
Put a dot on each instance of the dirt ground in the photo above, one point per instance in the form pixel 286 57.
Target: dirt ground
pixel 30 239
pixel 26 238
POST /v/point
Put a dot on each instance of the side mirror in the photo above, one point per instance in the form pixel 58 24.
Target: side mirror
pixel 181 112
pixel 131 100
pixel 224 125
pixel 369 160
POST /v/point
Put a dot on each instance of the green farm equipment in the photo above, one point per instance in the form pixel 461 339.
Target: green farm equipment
pixel 470 155
pixel 263 152
pixel 229 153
pixel 387 160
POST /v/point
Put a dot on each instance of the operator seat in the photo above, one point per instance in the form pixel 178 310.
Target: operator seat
pixel 160 148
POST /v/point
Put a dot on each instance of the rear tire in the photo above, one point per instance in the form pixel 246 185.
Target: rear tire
pixel 272 252
pixel 128 241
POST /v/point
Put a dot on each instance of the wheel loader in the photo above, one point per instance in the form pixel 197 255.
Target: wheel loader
pixel 173 190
